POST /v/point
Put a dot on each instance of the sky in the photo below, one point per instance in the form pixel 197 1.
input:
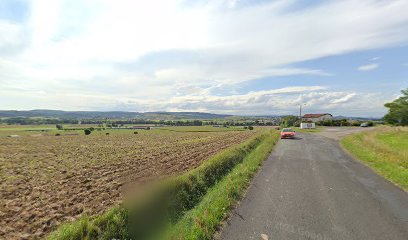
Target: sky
pixel 232 57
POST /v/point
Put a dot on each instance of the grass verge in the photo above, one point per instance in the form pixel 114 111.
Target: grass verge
pixel 384 149
pixel 317 129
pixel 203 221
pixel 167 203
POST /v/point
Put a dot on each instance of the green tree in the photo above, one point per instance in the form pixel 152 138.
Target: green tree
pixel 398 110
pixel 289 121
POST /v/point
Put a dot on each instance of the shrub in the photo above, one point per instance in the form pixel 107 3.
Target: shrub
pixel 135 132
pixel 92 128
pixel 87 131
pixel 106 133
pixel 57 134
pixel 251 128
pixel 355 123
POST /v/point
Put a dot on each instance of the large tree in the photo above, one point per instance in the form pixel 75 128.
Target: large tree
pixel 289 121
pixel 398 110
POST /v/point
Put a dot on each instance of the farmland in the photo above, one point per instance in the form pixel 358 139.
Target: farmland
pixel 48 179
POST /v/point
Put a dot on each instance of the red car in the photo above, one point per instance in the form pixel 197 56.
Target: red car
pixel 287 133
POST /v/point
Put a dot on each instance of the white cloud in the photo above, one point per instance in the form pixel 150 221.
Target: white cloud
pixel 275 101
pixel 76 47
pixel 375 58
pixel 232 3
pixel 368 67
pixel 344 99
pixel 11 37
pixel 294 71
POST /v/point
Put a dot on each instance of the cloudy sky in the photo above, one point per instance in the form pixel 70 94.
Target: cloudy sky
pixel 238 57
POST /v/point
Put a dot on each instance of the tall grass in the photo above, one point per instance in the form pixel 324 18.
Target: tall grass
pixel 385 149
pixel 164 204
pixel 203 221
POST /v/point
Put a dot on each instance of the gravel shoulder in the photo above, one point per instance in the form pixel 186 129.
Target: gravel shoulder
pixel 336 133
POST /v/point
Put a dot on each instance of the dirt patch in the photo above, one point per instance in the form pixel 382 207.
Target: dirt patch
pixel 49 180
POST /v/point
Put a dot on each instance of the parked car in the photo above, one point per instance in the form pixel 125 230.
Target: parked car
pixel 364 125
pixel 287 133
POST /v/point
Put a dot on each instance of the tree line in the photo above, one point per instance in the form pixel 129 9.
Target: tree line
pixel 120 123
pixel 293 121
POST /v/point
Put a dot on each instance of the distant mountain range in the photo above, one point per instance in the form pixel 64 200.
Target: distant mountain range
pixel 357 118
pixel 110 115
pixel 45 113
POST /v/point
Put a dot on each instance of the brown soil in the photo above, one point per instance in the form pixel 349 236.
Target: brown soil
pixel 47 180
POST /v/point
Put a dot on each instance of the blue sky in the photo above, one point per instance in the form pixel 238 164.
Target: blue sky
pixel 237 57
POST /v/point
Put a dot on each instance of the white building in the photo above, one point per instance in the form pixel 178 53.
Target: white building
pixel 307 125
pixel 317 117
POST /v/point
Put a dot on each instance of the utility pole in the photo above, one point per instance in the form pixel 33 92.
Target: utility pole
pixel 300 113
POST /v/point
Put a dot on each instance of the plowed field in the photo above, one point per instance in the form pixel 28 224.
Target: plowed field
pixel 47 180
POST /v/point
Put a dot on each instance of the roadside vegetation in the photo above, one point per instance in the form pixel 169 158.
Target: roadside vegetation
pixel 384 149
pixel 345 123
pixel 203 221
pixel 293 121
pixel 189 206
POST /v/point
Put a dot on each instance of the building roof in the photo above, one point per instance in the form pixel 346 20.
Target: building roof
pixel 315 115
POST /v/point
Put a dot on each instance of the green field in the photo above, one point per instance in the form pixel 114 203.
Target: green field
pixel 27 130
pixel 69 129
pixel 200 129
pixel 385 149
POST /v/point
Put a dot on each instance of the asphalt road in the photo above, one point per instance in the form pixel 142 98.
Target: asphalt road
pixel 309 188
